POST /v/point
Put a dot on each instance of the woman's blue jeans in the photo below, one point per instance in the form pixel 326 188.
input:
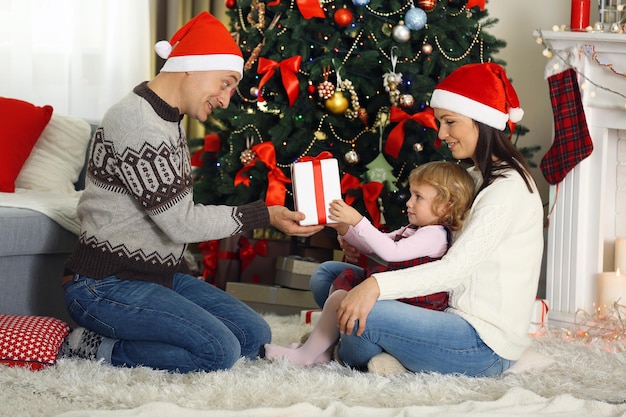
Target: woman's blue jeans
pixel 193 326
pixel 422 340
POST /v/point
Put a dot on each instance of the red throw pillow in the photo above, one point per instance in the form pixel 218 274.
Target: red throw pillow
pixel 22 124
pixel 31 341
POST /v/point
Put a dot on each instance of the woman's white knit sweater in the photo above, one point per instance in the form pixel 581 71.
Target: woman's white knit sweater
pixel 492 269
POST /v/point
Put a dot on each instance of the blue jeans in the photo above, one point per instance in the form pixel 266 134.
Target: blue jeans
pixel 323 277
pixel 193 326
pixel 422 340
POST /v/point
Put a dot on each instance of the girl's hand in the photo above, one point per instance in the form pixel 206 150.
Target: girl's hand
pixel 342 212
pixel 356 307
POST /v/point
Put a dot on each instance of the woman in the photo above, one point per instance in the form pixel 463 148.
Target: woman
pixel 492 269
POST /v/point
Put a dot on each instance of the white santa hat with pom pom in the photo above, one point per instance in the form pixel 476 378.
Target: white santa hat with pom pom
pixel 202 44
pixel 481 92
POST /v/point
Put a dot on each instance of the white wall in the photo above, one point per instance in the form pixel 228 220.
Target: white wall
pixel 525 64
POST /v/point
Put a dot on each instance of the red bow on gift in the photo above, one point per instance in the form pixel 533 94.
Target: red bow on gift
pixel 212 143
pixel 308 8
pixel 288 70
pixel 318 183
pixel 276 180
pixel 247 251
pixel 209 250
pixel 370 191
pixel 395 139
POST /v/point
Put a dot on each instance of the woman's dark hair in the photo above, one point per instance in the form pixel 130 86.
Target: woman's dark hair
pixel 496 143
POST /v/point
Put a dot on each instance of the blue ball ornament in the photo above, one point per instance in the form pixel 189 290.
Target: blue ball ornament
pixel 415 18
pixel 360 2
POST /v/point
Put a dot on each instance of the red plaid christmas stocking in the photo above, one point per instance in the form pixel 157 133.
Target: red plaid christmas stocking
pixel 572 142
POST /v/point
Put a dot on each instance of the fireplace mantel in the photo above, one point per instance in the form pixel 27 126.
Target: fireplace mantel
pixel 582 223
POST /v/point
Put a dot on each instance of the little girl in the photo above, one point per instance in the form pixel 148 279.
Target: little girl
pixel 441 194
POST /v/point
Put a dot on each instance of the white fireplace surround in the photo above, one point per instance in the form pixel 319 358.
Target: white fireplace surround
pixel 588 205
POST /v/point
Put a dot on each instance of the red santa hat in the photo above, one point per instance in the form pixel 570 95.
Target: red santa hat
pixel 481 92
pixel 202 44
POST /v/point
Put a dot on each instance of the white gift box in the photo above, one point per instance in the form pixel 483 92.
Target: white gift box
pixel 310 316
pixel 315 184
pixel 539 318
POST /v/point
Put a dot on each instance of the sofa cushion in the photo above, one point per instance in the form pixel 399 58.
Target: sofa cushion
pixel 58 156
pixel 29 232
pixel 22 124
pixel 31 341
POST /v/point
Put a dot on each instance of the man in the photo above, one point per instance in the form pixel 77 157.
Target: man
pixel 127 284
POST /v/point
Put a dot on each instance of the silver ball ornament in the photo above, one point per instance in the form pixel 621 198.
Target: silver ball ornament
pixel 415 18
pixel 360 2
pixel 418 147
pixel 351 157
pixel 401 33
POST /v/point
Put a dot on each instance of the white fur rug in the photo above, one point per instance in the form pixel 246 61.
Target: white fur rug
pixel 584 380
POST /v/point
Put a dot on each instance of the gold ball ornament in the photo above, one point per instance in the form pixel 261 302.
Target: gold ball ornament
pixel 337 103
pixel 427 48
pixel 418 147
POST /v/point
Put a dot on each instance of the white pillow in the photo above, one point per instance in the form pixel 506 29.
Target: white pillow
pixel 57 157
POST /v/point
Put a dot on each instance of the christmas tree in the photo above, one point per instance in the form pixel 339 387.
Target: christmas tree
pixel 352 77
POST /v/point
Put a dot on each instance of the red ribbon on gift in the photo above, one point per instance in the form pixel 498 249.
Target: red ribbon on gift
pixel 318 183
pixel 210 250
pixel 309 315
pixel 288 70
pixel 212 143
pixel 247 251
pixel 276 180
pixel 308 8
pixel 395 139
pixel 370 192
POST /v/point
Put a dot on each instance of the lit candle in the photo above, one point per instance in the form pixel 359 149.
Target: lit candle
pixel 620 254
pixel 611 288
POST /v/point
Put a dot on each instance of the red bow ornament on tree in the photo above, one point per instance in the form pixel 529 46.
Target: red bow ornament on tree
pixel 395 139
pixel 211 144
pixel 308 8
pixel 479 3
pixel 370 191
pixel 288 69
pixel 276 179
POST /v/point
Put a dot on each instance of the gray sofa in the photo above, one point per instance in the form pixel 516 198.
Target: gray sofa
pixel 33 250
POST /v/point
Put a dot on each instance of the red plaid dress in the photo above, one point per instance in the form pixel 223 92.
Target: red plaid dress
pixel 350 278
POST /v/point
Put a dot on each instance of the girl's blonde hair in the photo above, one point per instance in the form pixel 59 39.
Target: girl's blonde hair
pixel 455 190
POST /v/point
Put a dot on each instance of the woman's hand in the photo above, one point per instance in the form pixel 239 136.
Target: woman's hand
pixel 357 306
